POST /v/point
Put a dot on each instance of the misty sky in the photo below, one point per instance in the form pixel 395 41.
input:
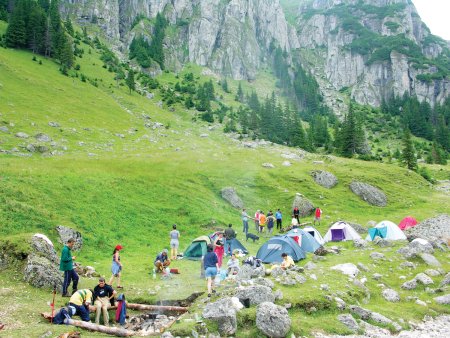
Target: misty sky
pixel 436 15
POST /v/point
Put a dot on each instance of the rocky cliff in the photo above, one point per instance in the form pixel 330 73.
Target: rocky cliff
pixel 369 50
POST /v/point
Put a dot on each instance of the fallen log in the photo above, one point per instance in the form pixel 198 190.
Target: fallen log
pixel 162 308
pixel 116 331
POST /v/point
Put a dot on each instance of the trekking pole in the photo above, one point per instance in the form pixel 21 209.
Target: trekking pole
pixel 52 305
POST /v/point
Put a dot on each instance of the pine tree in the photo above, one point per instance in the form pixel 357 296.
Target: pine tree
pixel 130 80
pixel 16 33
pixel 240 94
pixel 36 31
pixel 69 27
pixel 66 52
pixel 224 84
pixel 408 154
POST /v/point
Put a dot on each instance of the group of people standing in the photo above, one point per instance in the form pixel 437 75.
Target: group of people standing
pixel 262 220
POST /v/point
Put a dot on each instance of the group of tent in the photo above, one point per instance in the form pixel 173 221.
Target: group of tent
pixel 297 242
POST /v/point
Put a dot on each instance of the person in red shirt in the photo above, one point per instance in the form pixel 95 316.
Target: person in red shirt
pixel 317 215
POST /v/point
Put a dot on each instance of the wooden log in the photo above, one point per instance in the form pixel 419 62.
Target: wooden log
pixel 100 328
pixel 162 308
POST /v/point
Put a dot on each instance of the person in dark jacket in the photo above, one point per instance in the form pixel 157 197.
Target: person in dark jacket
pixel 211 265
pixel 103 293
pixel 162 260
pixel 66 265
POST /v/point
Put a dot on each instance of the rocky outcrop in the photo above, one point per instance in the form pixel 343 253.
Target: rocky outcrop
pixel 66 233
pixel 305 207
pixel 432 228
pixel 273 320
pixel 368 193
pixel 42 246
pixel 230 195
pixel 256 294
pixel 324 178
pixel 224 314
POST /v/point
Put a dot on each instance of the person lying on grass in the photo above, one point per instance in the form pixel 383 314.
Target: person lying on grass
pixel 162 260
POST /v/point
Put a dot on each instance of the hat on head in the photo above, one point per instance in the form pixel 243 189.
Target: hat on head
pixel 119 247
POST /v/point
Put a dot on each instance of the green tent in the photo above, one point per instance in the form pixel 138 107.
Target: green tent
pixel 197 249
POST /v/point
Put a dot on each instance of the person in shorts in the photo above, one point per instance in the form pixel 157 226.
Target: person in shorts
pixel 174 242
pixel 211 265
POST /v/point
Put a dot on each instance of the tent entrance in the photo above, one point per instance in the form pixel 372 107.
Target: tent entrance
pixel 337 235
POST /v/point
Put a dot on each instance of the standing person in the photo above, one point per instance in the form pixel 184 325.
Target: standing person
pixel 81 300
pixel 317 215
pixel 229 234
pixel 270 221
pixel 103 293
pixel 296 213
pixel 66 265
pixel 211 265
pixel 262 221
pixel 219 248
pixel 279 218
pixel 116 267
pixel 244 221
pixel 174 242
pixel 257 220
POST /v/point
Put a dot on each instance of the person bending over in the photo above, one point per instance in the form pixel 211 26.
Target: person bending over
pixel 81 300
pixel 162 260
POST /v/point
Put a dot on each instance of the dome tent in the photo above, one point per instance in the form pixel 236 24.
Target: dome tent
pixel 270 251
pixel 341 231
pixel 407 222
pixel 386 230
pixel 315 233
pixel 230 245
pixel 197 248
pixel 307 242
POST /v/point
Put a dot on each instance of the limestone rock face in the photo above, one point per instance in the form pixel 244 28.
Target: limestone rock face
pixel 368 193
pixel 66 233
pixel 224 313
pixel 273 320
pixel 42 273
pixel 432 228
pixel 42 246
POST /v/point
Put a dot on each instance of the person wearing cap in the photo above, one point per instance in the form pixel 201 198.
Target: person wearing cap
pixel 66 265
pixel 162 260
pixel 116 267
pixel 81 300
pixel 103 293
pixel 174 241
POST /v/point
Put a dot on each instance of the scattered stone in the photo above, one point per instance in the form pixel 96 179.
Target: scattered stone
pixel 444 300
pixel 85 271
pixel 360 243
pixel 305 207
pixel 423 279
pixel 256 294
pixel 324 178
pixel 310 266
pixel 362 267
pixel 324 287
pixel 410 285
pixel 348 321
pixel 376 255
pixel 445 281
pixel 430 259
pixel 286 164
pixel 204 135
pixel 264 281
pixel 31 148
pixel 54 124
pixel 277 272
pixel 377 276
pixel 362 313
pixel 348 269
pixel 379 318
pixel 66 233
pixel 22 135
pixel 268 165
pixel 4 129
pixel 381 242
pixel 369 193
pixel 272 320
pixel 229 194
pixel 408 265
pixel 432 272
pixel 41 137
pixel 358 228
pixel 313 276
pixel 391 295
pixel 278 294
pixel 420 302
pixel 341 305
pixel 224 314
pixel 414 248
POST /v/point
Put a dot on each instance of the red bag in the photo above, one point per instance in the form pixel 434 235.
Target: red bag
pixel 175 271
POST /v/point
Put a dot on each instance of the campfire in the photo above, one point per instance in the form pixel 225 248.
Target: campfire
pixel 149 324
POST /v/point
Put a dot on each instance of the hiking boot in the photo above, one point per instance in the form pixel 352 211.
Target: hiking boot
pixel 65 295
pixel 209 295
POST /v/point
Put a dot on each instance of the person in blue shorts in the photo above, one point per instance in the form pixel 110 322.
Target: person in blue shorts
pixel 211 265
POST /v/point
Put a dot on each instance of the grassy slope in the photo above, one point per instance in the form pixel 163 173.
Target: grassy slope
pixel 133 189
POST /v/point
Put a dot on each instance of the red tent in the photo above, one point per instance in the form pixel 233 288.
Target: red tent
pixel 407 222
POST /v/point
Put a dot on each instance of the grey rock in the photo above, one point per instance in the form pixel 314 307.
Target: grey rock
pixel 268 165
pixel 430 259
pixel 359 311
pixel 362 267
pixel 66 233
pixel 376 255
pixel 421 245
pixel 257 294
pixel 420 302
pixel 369 193
pixel 410 265
pixel 391 295
pixel 305 207
pixel 377 276
pixel 445 281
pixel 264 281
pixel 42 273
pixel 30 147
pixel 423 279
pixel 278 294
pixel 360 243
pixel 22 135
pixel 41 137
pixel 348 269
pixel 277 272
pixel 248 272
pixel 324 178
pixel 432 272
pixel 54 124
pixel 324 287
pixel 272 320
pixel 444 300
pixel 381 242
pixel 286 164
pixel 432 228
pixel 348 321
pixel 341 305
pixel 297 277
pixel 41 148
pixel 230 195
pixel 42 246
pixel 358 228
pixel 379 318
pixel 410 285
pixel 4 129
pixel 224 314
pixel 310 266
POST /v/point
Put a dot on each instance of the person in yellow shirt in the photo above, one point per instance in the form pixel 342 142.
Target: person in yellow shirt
pixel 81 300
pixel 287 261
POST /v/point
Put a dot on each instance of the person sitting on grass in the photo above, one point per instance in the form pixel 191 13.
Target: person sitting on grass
pixel 103 293
pixel 233 265
pixel 211 266
pixel 287 261
pixel 162 261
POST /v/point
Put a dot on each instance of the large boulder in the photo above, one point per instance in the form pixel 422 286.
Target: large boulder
pixel 445 281
pixel 223 313
pixel 348 269
pixel 256 294
pixel 444 300
pixel 423 279
pixel 391 295
pixel 230 195
pixel 369 193
pixel 272 320
pixel 42 246
pixel 348 321
pixel 305 207
pixel 42 273
pixel 248 272
pixel 66 233
pixel 358 228
pixel 324 178
pixel 432 228
pixel 429 259
pixel 414 248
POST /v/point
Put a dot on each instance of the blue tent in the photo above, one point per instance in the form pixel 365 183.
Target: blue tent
pixel 230 245
pixel 307 242
pixel 381 232
pixel 270 251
